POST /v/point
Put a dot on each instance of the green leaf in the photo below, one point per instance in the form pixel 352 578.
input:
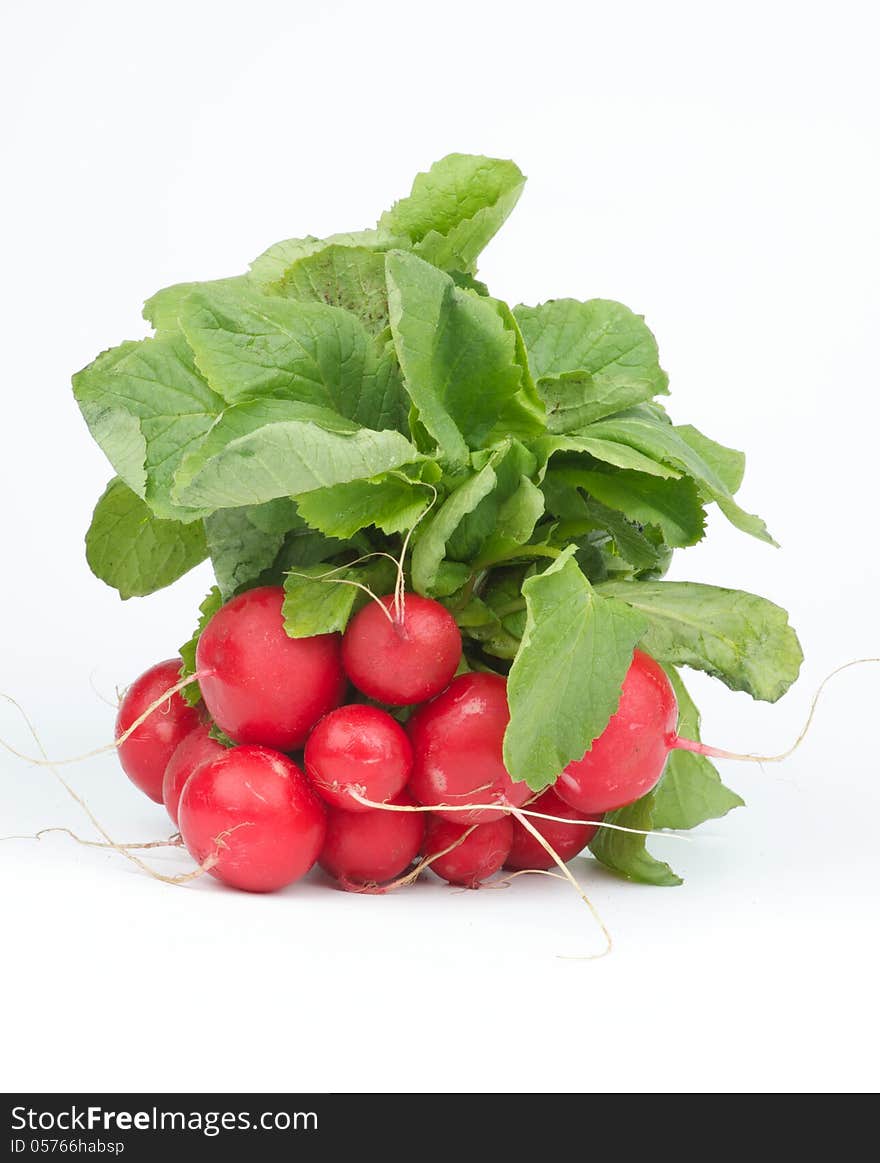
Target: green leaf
pixel 691 790
pixel 451 576
pixel 674 506
pixel 480 623
pixel 430 548
pixel 630 540
pixel 240 421
pixel 162 310
pixel 249 544
pixel 608 451
pixel 219 736
pixel 250 345
pixel 589 359
pixel 277 516
pixel 274 263
pixel 583 517
pixel 209 607
pixel 303 548
pixel 135 552
pixel 319 602
pixel 565 681
pixel 511 461
pixel 625 853
pixel 456 208
pixel 459 360
pixel 562 497
pixel 467 282
pixel 529 389
pixel 517 517
pixel 740 638
pixel 276 448
pixel 728 464
pixel 653 437
pixel 349 277
pixel 240 552
pixel 147 406
pixel 392 502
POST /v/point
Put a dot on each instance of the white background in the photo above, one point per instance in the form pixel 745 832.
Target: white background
pixel 713 166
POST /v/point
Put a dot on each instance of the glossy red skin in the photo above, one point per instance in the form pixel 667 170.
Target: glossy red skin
pixel 408 662
pixel 457 750
pixel 359 747
pixel 476 858
pixel 270 821
pixel 373 846
pixel 566 839
pixel 193 752
pixel 264 687
pixel 628 758
pixel 145 753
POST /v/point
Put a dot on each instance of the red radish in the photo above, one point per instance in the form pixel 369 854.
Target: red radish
pixel 373 846
pixel 197 749
pixel 358 748
pixel 477 857
pixel 567 840
pixel 259 685
pixel 145 753
pixel 401 655
pixel 457 750
pixel 628 758
pixel 255 811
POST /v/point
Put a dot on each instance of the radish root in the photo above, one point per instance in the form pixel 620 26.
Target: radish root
pixel 44 761
pixel 174 841
pixel 506 881
pixel 501 806
pixel 718 753
pixel 572 880
pixel 102 696
pixel 109 842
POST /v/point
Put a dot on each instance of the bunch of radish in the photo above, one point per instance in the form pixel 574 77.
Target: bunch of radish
pixel 441 634
pixel 322 750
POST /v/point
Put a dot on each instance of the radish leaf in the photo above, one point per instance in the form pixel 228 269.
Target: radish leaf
pixel 392 502
pixel 320 601
pixel 350 277
pixel 276 448
pixel 436 531
pixel 136 552
pixel 658 440
pixel 626 853
pixel 273 264
pixel 147 406
pixel 674 506
pixel 252 345
pixel 459 361
pixel 608 451
pixel 162 310
pixel 565 681
pixel 589 359
pixel 740 638
pixel 728 464
pixel 455 209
